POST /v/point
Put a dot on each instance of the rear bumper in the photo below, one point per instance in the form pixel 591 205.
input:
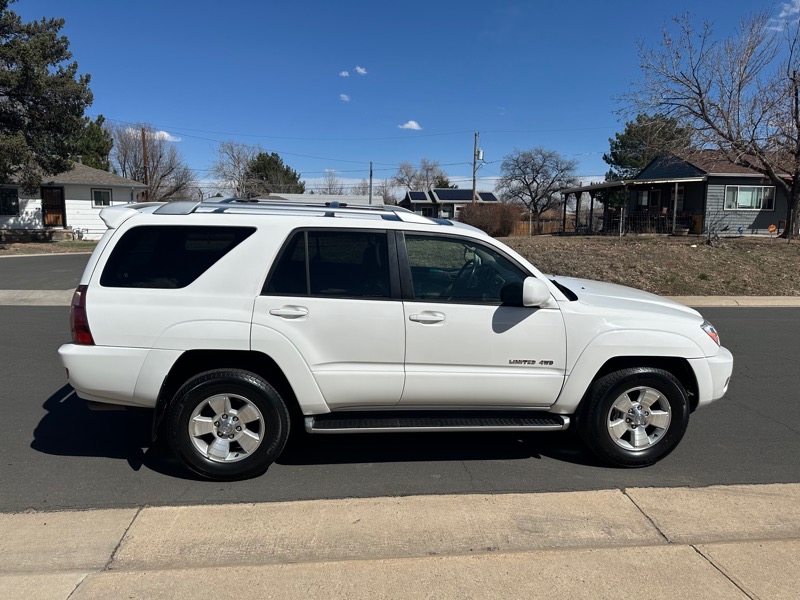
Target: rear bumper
pixel 112 375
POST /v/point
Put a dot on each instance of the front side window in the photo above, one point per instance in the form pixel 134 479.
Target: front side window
pixel 458 270
pixel 9 202
pixel 749 197
pixel 101 198
pixel 338 264
pixel 168 256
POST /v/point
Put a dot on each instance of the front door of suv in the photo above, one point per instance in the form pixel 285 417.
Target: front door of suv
pixel 334 295
pixel 463 346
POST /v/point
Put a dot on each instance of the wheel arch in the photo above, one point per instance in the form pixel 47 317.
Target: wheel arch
pixel 193 362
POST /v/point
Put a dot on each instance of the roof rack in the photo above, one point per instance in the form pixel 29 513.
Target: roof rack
pixel 326 209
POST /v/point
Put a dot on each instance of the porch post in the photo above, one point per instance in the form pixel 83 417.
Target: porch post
pixel 674 206
pixel 591 211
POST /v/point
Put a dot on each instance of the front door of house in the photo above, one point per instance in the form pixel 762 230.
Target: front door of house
pixel 54 209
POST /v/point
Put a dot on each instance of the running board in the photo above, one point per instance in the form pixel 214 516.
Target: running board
pixel 429 421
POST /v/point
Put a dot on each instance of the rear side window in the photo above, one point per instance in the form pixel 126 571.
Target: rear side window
pixel 170 256
pixel 342 264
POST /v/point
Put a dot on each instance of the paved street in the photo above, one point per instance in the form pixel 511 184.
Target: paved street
pixel 60 455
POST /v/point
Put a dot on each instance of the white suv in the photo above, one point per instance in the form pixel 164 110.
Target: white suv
pixel 236 319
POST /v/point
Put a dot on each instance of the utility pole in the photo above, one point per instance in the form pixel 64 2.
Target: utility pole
pixel 370 182
pixel 477 155
pixel 144 156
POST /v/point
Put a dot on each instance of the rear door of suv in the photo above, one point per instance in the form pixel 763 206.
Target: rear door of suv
pixel 334 294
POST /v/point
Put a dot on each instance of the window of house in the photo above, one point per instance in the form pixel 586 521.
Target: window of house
pixel 456 270
pixel 101 198
pixel 749 197
pixel 339 264
pixel 9 201
pixel 642 198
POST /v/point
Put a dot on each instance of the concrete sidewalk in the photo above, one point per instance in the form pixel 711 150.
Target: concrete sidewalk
pixel 719 542
pixel 64 297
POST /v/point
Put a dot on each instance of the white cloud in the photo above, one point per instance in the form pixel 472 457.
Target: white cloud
pixel 165 135
pixel 361 70
pixel 410 125
pixel 790 9
pixel 344 73
pixel 344 97
pixel 159 135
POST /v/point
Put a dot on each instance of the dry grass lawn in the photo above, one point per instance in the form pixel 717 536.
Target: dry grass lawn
pixel 672 265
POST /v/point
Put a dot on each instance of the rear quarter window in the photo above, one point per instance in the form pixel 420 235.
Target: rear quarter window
pixel 168 256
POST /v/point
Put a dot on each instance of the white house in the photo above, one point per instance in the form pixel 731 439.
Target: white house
pixel 67 201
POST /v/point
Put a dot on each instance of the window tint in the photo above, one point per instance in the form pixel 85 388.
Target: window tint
pixel 451 270
pixel 168 256
pixel 344 264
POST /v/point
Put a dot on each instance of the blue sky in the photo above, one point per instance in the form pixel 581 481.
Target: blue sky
pixel 522 73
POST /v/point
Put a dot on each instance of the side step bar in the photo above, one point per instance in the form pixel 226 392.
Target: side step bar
pixel 429 421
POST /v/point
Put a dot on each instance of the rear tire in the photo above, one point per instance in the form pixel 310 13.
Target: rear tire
pixel 228 424
pixel 634 417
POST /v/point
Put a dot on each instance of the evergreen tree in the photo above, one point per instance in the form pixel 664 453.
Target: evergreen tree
pixel 42 98
pixel 267 174
pixel 94 144
pixel 641 141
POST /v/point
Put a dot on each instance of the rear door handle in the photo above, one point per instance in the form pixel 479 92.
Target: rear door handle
pixel 427 318
pixel 289 312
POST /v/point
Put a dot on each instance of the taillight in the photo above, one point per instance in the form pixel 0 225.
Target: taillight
pixel 78 322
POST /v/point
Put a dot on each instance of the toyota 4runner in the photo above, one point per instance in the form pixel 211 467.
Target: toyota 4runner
pixel 237 320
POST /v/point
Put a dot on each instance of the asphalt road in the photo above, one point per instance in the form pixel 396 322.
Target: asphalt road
pixel 42 272
pixel 57 454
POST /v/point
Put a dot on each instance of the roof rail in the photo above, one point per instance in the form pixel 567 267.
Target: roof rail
pixel 328 209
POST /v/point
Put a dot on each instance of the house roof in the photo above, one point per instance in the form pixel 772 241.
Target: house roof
pixel 671 168
pixel 81 174
pixel 439 195
pixel 317 198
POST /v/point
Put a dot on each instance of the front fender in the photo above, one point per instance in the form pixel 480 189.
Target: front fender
pixel 615 344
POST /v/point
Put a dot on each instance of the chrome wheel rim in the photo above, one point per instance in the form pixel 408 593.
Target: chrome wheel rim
pixel 226 428
pixel 639 418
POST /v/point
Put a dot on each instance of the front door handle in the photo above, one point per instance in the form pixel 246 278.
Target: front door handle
pixel 427 318
pixel 289 312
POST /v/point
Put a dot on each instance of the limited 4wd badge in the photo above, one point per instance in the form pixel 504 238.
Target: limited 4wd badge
pixel 529 362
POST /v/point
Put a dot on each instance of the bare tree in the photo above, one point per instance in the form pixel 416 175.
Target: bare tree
pixel 533 178
pixel 331 184
pixel 361 188
pixel 231 166
pixel 740 94
pixel 384 189
pixel 428 175
pixel 165 173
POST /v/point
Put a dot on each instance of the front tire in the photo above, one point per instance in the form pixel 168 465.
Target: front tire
pixel 634 417
pixel 228 424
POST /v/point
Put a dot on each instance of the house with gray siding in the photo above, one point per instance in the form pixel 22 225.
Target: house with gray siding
pixel 702 192
pixel 70 201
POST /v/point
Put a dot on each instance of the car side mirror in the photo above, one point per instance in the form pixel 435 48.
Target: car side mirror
pixel 530 292
pixel 534 292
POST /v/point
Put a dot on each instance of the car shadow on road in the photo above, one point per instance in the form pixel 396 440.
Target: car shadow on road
pixel 70 428
pixel 307 449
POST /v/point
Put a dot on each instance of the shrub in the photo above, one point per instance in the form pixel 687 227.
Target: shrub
pixel 497 220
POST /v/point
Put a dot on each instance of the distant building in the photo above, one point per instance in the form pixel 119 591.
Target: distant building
pixel 70 201
pixel 445 203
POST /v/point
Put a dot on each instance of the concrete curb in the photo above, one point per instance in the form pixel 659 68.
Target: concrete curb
pixel 715 542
